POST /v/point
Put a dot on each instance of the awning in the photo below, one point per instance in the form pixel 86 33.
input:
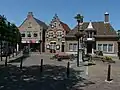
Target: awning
pixel 37 41
pixel 24 42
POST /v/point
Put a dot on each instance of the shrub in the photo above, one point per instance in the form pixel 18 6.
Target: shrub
pixel 107 59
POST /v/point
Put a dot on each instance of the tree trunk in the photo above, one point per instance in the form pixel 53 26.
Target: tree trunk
pixel 1 50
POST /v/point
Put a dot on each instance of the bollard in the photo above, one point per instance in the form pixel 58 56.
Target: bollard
pixel 68 69
pixel 6 61
pixel 13 55
pixel 1 56
pixel 41 67
pixel 16 53
pixel 109 73
pixel 21 62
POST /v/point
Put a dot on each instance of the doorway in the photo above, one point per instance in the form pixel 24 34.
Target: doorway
pixel 89 48
pixel 62 48
pixel 53 47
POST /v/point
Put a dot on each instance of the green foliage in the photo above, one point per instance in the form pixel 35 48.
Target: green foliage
pixel 108 59
pixel 9 32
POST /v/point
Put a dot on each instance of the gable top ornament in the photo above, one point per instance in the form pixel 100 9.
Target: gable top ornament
pixel 56 16
pixel 90 26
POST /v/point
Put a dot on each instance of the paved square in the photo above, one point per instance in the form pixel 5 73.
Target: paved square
pixel 96 74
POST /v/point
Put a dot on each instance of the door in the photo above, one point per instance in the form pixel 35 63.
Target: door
pixel 53 47
pixel 62 49
pixel 89 48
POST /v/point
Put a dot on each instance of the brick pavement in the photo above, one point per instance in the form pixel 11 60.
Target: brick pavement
pixel 98 74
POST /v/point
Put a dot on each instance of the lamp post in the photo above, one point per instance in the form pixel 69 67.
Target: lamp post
pixel 40 46
pixel 79 36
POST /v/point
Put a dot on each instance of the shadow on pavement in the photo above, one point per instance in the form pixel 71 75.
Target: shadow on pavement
pixel 17 60
pixel 30 78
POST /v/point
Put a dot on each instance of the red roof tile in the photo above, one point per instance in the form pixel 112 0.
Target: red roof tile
pixel 65 26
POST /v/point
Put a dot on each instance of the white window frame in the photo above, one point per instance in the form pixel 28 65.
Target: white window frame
pixel 71 47
pixel 101 47
pixel 107 47
pixel 74 46
pixel 112 48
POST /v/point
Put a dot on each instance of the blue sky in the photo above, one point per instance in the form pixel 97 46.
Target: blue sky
pixel 16 10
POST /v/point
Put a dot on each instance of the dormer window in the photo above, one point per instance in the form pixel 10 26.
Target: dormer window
pixel 90 30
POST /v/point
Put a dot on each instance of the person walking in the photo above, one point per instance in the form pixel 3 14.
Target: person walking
pixel 119 54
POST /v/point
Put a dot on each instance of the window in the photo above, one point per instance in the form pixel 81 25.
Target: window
pixel 90 35
pixel 40 36
pixel 105 47
pixel 75 47
pixel 35 34
pixel 30 25
pixel 110 47
pixel 51 34
pixel 59 34
pixel 28 34
pixel 99 47
pixel 70 47
pixel 59 39
pixel 23 35
pixel 55 24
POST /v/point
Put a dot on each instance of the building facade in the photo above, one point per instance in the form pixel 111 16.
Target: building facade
pixel 33 33
pixel 55 36
pixel 99 36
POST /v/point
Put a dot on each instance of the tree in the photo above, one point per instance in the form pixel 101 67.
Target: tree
pixel 3 31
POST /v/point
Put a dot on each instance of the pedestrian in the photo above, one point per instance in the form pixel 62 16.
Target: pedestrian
pixel 119 54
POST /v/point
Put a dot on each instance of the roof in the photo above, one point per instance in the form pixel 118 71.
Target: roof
pixel 90 26
pixel 100 27
pixel 41 23
pixel 38 21
pixel 65 26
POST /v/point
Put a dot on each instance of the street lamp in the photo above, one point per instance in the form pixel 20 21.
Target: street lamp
pixel 79 36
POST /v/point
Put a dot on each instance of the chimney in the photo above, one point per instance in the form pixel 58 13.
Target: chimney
pixel 106 17
pixel 30 14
